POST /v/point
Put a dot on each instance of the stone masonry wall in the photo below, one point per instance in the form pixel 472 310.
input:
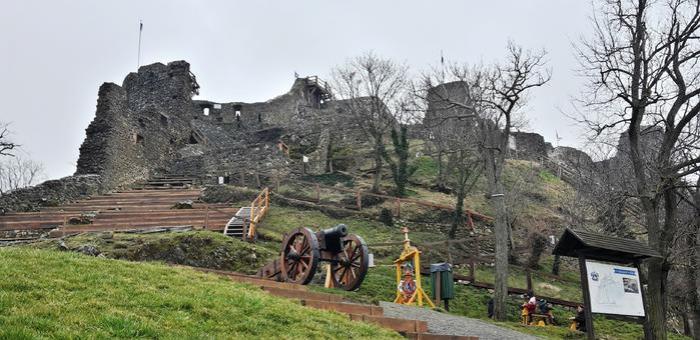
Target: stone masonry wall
pixel 110 148
pixel 50 193
pixel 139 126
pixel 529 145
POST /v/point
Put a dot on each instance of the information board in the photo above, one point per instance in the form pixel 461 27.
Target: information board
pixel 614 289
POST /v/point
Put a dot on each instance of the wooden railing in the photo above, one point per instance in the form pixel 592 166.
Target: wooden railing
pixel 258 210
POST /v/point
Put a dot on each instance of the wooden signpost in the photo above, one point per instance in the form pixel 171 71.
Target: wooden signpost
pixel 618 288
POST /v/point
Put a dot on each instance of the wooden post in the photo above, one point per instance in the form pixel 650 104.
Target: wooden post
pixel 472 270
pixel 476 245
pixel 449 253
pixel 359 200
pixel 267 198
pixel 318 194
pixel 206 216
pixel 586 297
pixel 242 178
pixel 257 180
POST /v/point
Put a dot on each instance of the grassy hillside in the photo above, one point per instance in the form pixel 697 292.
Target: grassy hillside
pixel 50 294
pixel 540 201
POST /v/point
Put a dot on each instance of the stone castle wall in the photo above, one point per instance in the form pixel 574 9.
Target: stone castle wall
pixel 150 125
pixel 50 193
pixel 139 126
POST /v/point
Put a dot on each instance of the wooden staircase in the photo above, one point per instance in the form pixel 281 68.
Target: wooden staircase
pixel 237 225
pixel 165 182
pixel 412 329
pixel 141 208
pixel 243 223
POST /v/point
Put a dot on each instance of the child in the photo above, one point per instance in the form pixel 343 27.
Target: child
pixel 528 308
pixel 581 318
pixel 546 309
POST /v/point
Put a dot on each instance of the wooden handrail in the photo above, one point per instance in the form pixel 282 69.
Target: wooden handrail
pixel 258 209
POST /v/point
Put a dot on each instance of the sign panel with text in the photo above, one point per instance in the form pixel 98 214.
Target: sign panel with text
pixel 614 289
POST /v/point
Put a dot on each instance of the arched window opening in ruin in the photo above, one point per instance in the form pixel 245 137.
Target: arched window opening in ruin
pixel 164 119
pixel 259 118
pixel 192 139
pixel 237 110
pixel 205 111
pixel 137 139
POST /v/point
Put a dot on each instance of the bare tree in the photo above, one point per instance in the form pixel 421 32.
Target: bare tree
pixel 495 97
pixel 6 146
pixel 506 90
pixel 17 172
pixel 642 71
pixel 369 86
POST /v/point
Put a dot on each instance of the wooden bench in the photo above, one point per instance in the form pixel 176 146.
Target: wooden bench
pixel 533 319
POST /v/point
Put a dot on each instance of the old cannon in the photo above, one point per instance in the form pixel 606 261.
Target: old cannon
pixel 302 250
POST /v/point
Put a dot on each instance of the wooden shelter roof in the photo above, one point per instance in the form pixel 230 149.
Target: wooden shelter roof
pixel 602 247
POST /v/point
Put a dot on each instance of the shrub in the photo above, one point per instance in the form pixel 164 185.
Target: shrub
pixel 386 217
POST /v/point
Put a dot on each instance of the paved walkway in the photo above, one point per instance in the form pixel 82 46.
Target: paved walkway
pixel 447 324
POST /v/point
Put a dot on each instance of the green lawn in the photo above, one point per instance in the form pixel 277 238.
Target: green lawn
pixel 282 219
pixel 63 295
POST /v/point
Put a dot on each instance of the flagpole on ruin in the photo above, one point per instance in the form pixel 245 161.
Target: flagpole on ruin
pixel 138 56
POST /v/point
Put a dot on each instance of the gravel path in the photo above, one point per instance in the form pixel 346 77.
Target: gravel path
pixel 441 323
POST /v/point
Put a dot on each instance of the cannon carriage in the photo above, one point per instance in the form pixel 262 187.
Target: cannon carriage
pixel 302 250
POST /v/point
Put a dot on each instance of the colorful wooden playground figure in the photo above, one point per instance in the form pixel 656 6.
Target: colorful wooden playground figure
pixel 408 286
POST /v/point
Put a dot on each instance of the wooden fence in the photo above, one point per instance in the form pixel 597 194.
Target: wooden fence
pixel 398 202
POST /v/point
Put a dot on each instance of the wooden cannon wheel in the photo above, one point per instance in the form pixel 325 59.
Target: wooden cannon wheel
pixel 300 256
pixel 350 265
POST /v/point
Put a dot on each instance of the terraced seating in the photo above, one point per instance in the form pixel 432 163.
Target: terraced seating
pixel 130 209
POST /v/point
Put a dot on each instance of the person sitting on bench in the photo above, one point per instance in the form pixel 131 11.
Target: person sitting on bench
pixel 546 309
pixel 529 308
pixel 579 321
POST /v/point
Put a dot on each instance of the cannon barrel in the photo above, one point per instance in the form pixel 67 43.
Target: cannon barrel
pixel 331 239
pixel 341 230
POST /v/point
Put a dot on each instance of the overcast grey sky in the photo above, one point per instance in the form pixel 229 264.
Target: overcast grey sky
pixel 55 54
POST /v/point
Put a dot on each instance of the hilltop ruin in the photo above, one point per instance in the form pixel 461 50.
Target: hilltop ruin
pixel 151 126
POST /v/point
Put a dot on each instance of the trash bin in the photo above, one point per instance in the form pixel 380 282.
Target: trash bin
pixel 442 283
